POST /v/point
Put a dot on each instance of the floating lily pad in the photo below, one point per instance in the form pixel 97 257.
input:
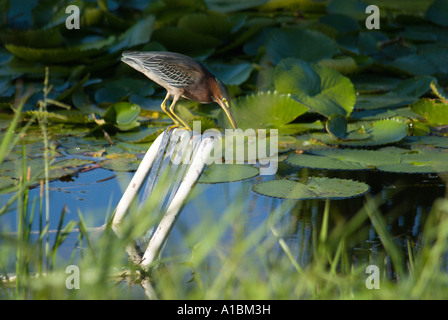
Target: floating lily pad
pixel 404 93
pixel 438 12
pixel 60 55
pixel 140 134
pixel 344 65
pixel 353 8
pixel 366 133
pixel 433 111
pixel 216 173
pixel 264 110
pixel 343 159
pixel 428 141
pixel 122 163
pixel 212 24
pixel 337 126
pixel 315 188
pixel 183 40
pixel 288 43
pixel 57 169
pixel 390 159
pixel 6 182
pixel 233 5
pixel 123 115
pixel 322 89
pixel 231 74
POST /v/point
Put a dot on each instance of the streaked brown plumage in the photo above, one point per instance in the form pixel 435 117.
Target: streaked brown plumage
pixel 181 76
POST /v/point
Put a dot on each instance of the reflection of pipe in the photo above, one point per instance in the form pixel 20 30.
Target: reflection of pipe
pixel 172 213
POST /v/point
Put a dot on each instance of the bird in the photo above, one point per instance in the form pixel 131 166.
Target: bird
pixel 181 76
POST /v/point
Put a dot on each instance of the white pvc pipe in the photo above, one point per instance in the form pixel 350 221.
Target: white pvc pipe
pixel 136 181
pixel 166 224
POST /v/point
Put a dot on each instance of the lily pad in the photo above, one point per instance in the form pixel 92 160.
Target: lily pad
pixel 231 74
pixel 438 12
pixel 322 89
pixel 6 182
pixel 212 24
pixel 122 163
pixel 123 115
pixel 217 173
pixel 433 111
pixel 60 55
pixel 367 133
pixel 427 141
pixel 390 159
pixel 315 188
pixel 343 159
pixel 337 126
pixel 353 8
pixel 57 169
pixel 404 93
pixel 264 110
pixel 288 43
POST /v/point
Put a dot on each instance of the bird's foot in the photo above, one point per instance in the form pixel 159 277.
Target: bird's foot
pixel 173 126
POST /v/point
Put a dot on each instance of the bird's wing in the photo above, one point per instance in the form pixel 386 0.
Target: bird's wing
pixel 172 70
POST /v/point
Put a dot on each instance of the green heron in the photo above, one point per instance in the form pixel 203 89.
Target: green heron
pixel 181 76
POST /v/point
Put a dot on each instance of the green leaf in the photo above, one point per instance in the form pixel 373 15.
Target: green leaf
pixel 213 24
pixel 183 40
pixel 233 5
pixel 344 65
pixel 139 33
pixel 427 141
pixel 367 133
pixel 352 8
pixel 343 159
pixel 438 12
pixel 7 182
pixel 315 188
pixel 264 110
pixel 123 114
pixel 323 90
pixel 60 55
pixel 433 111
pixel 286 43
pixel 125 163
pixel 390 159
pixel 406 92
pixel 337 126
pixel 57 169
pixel 217 173
pixel 40 38
pixel 231 73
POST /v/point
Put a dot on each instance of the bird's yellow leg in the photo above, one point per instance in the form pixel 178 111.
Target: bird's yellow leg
pixel 164 108
pixel 179 119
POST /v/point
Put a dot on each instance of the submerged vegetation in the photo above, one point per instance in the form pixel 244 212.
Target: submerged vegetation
pixel 345 100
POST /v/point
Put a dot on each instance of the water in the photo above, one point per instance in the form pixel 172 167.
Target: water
pixel 407 200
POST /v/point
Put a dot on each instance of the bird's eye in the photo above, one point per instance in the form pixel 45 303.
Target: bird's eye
pixel 224 100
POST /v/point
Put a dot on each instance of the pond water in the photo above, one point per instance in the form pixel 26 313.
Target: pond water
pixel 406 202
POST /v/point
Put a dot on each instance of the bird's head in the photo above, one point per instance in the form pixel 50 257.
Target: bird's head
pixel 222 97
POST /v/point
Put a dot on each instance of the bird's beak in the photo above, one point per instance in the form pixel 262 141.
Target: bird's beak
pixel 226 107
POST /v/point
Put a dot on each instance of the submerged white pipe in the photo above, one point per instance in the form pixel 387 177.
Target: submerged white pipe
pixel 137 181
pixel 166 224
